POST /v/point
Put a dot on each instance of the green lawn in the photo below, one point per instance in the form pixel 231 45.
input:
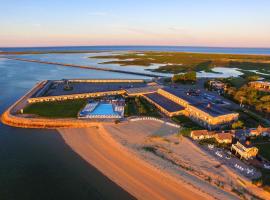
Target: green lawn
pixel 130 108
pixel 59 109
pixel 140 107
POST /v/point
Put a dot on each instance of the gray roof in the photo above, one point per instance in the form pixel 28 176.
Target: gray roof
pixel 146 89
pixel 200 102
pixel 57 88
pixel 164 102
pixel 212 109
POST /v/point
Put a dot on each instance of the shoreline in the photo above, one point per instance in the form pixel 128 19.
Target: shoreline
pixel 86 67
pixel 123 167
pixel 9 117
pixel 94 145
pixel 108 151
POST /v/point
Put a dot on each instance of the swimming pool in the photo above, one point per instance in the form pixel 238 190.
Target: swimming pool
pixel 104 109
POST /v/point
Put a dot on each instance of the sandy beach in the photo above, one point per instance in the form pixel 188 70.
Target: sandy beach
pixel 134 175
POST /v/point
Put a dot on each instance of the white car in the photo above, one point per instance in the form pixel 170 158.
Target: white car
pixel 218 154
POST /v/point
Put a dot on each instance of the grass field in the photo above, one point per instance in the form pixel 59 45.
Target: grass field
pixel 138 106
pixel 59 109
pixel 175 62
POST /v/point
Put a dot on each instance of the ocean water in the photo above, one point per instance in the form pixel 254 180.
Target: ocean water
pixel 147 48
pixel 37 164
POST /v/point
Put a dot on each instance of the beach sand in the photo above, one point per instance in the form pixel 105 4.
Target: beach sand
pixel 134 175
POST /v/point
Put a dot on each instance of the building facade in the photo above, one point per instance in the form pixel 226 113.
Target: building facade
pixel 208 116
pixel 260 85
pixel 244 150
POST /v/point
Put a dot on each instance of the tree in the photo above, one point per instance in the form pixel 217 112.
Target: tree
pixel 237 125
pixel 185 132
pixel 265 98
pixel 186 77
pixel 253 78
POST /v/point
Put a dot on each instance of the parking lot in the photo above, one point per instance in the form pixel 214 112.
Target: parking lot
pixel 227 158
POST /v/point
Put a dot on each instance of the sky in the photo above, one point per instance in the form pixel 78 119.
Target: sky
pixel 221 23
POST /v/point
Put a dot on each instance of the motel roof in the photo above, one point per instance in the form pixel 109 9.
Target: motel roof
pixel 213 109
pixel 224 136
pixel 164 102
pixel 202 132
pixel 182 94
pixel 57 88
pixel 147 89
pixel 199 102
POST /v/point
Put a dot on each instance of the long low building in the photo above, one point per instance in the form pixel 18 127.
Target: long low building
pixel 71 87
pixel 164 104
pixel 142 90
pixel 84 88
pixel 197 108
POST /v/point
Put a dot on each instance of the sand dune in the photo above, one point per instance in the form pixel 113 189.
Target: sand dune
pixel 133 174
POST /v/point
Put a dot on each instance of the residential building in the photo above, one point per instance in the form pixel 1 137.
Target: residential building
pixel 245 150
pixel 217 85
pixel 224 138
pixel 201 134
pixel 260 85
pixel 221 137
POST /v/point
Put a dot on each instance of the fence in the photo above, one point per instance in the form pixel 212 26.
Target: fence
pixel 154 119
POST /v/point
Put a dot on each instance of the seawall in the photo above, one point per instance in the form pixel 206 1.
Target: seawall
pixel 12 117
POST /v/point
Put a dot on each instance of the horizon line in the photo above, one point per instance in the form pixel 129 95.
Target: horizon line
pixel 141 45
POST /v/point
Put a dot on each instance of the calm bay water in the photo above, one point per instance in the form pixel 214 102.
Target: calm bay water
pixel 37 164
pixel 147 48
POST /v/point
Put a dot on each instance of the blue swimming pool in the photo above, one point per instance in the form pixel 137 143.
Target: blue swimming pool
pixel 103 109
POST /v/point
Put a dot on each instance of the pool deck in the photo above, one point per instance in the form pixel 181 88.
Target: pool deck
pixel 100 110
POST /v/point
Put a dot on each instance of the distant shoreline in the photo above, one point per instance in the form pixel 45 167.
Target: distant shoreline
pixel 190 49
